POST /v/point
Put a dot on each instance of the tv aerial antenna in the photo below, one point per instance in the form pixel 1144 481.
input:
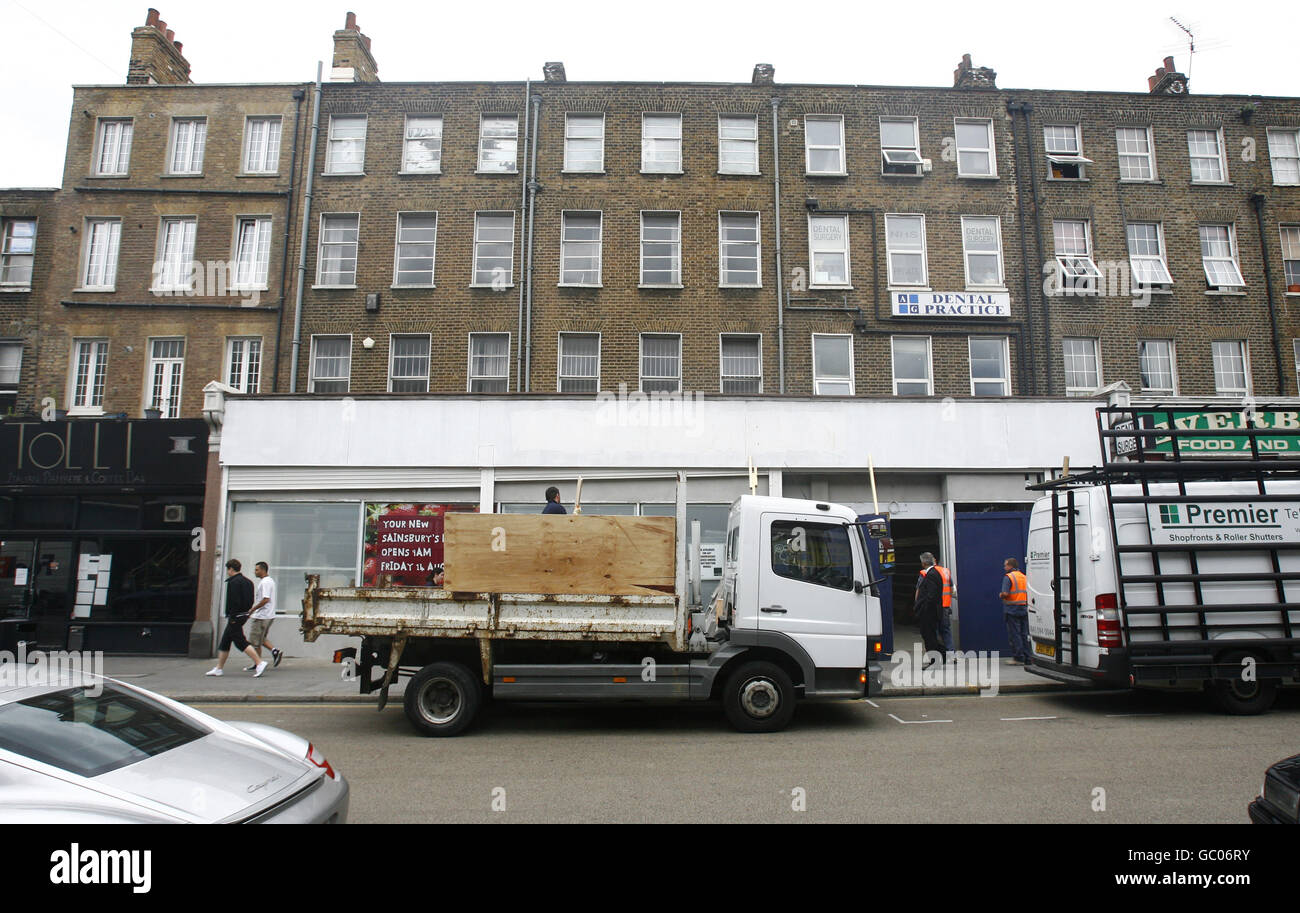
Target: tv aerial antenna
pixel 1191 47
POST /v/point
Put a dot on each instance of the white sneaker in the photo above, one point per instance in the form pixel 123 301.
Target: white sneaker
pixel 261 667
pixel 214 671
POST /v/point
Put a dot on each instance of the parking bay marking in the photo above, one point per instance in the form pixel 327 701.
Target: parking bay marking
pixel 910 722
pixel 1017 719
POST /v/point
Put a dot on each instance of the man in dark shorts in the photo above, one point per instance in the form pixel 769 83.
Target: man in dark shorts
pixel 239 601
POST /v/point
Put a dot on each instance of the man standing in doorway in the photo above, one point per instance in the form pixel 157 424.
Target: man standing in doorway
pixel 553 505
pixel 945 616
pixel 239 600
pixel 1015 612
pixel 929 605
pixel 263 613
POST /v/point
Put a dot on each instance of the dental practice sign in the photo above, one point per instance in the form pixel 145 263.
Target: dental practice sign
pixel 952 304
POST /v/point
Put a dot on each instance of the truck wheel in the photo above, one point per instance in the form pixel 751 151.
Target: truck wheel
pixel 1243 698
pixel 442 699
pixel 759 697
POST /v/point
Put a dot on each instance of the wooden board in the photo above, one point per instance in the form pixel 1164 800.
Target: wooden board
pixel 559 553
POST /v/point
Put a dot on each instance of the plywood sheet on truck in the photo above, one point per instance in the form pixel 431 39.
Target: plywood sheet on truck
pixel 560 554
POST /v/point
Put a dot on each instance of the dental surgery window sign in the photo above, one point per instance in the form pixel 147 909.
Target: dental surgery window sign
pixel 1266 523
pixel 1286 423
pixel 952 304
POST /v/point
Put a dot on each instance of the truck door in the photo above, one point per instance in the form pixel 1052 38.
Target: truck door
pixel 806 588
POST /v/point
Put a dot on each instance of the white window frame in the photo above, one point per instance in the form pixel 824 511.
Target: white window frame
pixel 91 401
pixel 569 138
pixel 641 362
pixel 1075 271
pixel 901 158
pixel 809 146
pixel 1219 158
pixel 119 151
pixel 890 251
pixel 165 371
pixel 267 147
pixel 321 244
pixel 409 142
pixel 1290 238
pixel 1172 355
pixel 1229 263
pixel 819 379
pixel 991 149
pixel 651 160
pixel 393 356
pixel 1004 364
pixel 566 242
pixel 398 244
pixel 1290 158
pixel 478 229
pixel 1096 360
pixel 249 353
pixel 929 365
pixel 17 259
pixel 1001 282
pixel 1157 262
pixel 471 377
pixel 1149 156
pixel 11 367
pixel 561 377
pixel 172 271
pixel 260 259
pixel 335 146
pixel 675 257
pixel 814 250
pixel 108 272
pixel 187 159
pixel 1064 158
pixel 724 377
pixel 1243 350
pixel 749 143
pixel 497 165
pixel 723 244
pixel 313 379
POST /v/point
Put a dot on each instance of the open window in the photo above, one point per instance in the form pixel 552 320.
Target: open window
pixel 1065 160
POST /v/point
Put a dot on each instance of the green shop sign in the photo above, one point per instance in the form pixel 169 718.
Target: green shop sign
pixel 1286 423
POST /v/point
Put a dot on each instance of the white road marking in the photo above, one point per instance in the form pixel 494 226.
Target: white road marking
pixel 1015 719
pixel 874 704
pixel 909 722
pixel 1135 714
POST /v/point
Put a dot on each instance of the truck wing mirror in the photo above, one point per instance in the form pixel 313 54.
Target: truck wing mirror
pixel 878 529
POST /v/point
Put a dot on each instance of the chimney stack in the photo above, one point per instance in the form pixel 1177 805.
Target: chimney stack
pixel 764 74
pixel 967 76
pixel 553 71
pixel 1167 80
pixel 352 59
pixel 156 57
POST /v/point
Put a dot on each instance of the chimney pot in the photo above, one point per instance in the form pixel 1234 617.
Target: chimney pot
pixel 1169 65
pixel 965 61
pixel 351 24
pixel 553 71
pixel 152 18
pixel 171 36
pixel 179 47
pixel 764 74
pixel 1151 83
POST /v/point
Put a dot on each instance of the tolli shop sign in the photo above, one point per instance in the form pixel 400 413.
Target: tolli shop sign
pixel 106 452
pixel 951 305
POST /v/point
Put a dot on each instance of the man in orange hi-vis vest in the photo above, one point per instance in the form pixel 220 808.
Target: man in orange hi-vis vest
pixel 945 614
pixel 1015 612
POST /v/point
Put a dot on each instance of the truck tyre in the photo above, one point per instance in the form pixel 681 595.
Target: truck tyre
pixel 1242 698
pixel 759 697
pixel 442 699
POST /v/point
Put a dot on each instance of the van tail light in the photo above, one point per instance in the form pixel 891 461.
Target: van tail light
pixel 315 756
pixel 1108 630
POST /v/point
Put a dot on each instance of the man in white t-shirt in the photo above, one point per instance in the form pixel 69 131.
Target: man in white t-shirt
pixel 263 612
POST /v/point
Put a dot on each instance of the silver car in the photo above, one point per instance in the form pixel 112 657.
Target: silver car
pixel 93 750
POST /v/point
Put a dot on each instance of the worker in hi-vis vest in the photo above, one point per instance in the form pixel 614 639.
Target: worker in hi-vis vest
pixel 945 616
pixel 1015 612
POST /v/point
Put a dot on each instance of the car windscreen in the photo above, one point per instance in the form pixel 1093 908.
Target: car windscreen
pixel 89 734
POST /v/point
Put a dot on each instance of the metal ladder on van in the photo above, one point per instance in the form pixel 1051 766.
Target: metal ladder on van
pixel 1065 573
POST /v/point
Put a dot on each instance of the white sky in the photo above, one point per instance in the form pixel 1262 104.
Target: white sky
pixel 1242 47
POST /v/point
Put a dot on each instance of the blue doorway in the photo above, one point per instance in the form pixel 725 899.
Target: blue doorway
pixel 984 541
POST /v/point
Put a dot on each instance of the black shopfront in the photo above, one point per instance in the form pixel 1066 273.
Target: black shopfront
pixel 100 535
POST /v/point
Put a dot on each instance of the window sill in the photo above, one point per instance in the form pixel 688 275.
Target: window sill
pixel 584 171
pixel 176 291
pixel 1140 181
pixel 417 174
pixel 754 286
pixel 846 288
pixel 1211 184
pixel 329 287
pixel 86 410
pixel 14 289
pixel 258 174
pixel 1286 294
pixel 825 174
pixel 109 177
pixel 740 174
pixel 99 289
pixel 894 174
pixel 978 177
pixel 180 174
pixel 398 288
pixel 579 285
pixel 342 174
pixel 982 289
pixel 511 173
pixel 907 288
pixel 1153 291
pixel 1056 180
pixel 491 285
pixel 1226 293
pixel 1276 184
pixel 642 285
pixel 664 173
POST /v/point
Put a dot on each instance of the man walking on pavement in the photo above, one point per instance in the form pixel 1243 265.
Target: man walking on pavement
pixel 1015 612
pixel 929 605
pixel 263 614
pixel 239 600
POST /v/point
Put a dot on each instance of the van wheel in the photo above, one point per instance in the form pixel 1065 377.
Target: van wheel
pixel 759 697
pixel 1239 697
pixel 442 699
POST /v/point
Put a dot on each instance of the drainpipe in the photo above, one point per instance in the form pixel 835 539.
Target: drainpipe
pixel 533 187
pixel 780 276
pixel 298 96
pixel 1258 199
pixel 1025 109
pixel 306 221
pixel 523 203
pixel 1023 350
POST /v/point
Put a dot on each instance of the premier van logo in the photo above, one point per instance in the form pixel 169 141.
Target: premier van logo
pixel 1272 522
pixel 77 866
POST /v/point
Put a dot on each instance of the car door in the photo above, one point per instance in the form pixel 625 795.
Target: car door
pixel 807 588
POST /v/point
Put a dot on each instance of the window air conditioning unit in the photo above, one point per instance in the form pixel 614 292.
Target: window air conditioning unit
pixel 174 513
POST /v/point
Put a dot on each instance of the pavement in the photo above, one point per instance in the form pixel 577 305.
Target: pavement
pixel 304 680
